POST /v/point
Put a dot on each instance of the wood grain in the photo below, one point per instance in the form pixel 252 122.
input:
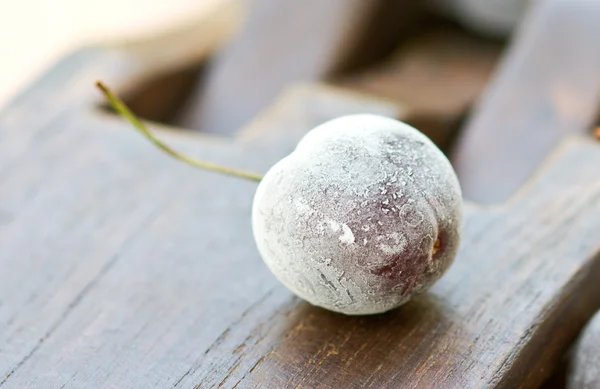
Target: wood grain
pixel 547 87
pixel 122 268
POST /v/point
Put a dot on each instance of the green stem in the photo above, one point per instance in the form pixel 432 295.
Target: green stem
pixel 126 113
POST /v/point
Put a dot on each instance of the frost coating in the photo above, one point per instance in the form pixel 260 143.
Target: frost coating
pixel 584 372
pixel 349 220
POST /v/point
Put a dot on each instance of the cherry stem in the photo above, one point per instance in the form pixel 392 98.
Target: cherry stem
pixel 126 113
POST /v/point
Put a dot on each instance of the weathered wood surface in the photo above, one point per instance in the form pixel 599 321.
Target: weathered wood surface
pixel 548 87
pixel 122 268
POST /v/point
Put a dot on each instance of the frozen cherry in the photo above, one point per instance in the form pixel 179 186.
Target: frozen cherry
pixel 365 213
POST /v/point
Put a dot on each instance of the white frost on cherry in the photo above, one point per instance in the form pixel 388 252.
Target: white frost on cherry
pixel 363 215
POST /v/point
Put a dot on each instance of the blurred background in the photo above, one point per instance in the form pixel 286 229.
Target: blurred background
pixel 34 34
pixel 215 65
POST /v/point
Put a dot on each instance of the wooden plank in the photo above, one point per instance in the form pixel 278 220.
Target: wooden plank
pixel 548 86
pixel 122 268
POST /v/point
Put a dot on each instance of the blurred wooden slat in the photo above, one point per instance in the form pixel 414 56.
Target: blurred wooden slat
pixel 289 41
pixel 547 87
pixel 172 63
pixel 436 78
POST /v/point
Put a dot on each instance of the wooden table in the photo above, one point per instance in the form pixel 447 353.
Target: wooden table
pixel 121 268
